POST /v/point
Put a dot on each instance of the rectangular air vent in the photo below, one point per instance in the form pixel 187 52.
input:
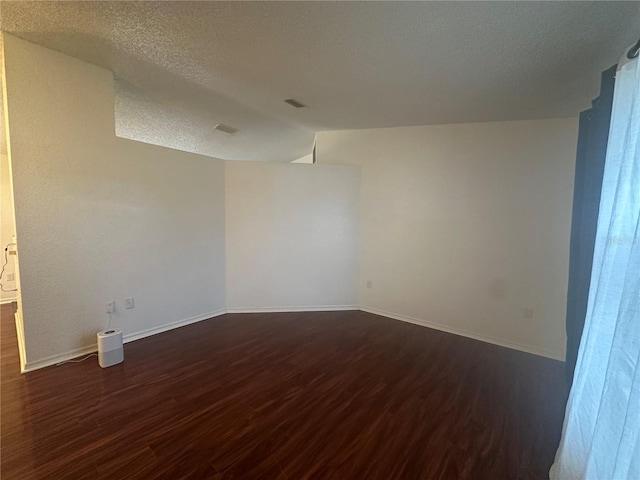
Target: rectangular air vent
pixel 225 128
pixel 294 103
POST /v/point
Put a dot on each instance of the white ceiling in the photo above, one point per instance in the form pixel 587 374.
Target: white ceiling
pixel 355 64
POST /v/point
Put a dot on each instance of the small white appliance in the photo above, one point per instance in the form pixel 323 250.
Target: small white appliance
pixel 110 349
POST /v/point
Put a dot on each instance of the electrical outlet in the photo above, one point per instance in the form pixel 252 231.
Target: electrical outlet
pixel 11 277
pixel 128 303
pixel 369 284
pixel 528 313
pixel 111 307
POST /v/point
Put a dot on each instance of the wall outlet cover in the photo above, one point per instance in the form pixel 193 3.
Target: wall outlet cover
pixel 129 303
pixel 111 307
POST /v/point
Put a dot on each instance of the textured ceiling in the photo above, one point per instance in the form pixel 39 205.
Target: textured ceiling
pixel 355 64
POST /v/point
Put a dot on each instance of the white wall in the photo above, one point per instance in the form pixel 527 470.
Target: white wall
pixel 461 227
pixel 292 236
pixel 466 226
pixel 7 230
pixel 100 218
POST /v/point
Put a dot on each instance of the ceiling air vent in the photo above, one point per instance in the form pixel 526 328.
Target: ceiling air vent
pixel 294 103
pixel 225 128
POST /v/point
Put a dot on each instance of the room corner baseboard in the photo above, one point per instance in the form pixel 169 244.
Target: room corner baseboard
pixel 54 359
pixel 131 337
pixel 465 333
pixel 316 308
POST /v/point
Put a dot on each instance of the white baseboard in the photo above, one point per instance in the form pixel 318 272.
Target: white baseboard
pixel 4 301
pixel 317 308
pixel 131 337
pixel 52 360
pixel 465 333
pixel 20 334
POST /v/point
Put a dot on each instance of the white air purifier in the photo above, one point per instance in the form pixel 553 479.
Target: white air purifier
pixel 110 349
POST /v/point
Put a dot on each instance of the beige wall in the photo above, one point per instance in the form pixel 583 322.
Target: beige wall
pixel 100 218
pixel 292 236
pixel 465 227
pixel 7 230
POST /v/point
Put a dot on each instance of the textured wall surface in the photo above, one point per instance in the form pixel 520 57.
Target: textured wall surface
pixel 292 235
pixel 466 227
pixel 101 218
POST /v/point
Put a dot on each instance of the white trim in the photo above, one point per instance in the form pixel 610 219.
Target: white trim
pixel 131 337
pixel 17 316
pixel 53 359
pixel 5 301
pixel 317 308
pixel 465 333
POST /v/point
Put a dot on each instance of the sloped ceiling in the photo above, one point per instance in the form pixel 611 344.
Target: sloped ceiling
pixel 355 64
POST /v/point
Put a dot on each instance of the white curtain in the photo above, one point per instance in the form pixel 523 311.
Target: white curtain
pixel 601 432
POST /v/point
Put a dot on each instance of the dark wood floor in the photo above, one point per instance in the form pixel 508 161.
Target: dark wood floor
pixel 333 395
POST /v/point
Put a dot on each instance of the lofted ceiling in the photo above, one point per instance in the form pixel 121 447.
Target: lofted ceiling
pixel 354 64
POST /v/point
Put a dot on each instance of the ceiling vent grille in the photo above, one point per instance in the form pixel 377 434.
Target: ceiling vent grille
pixel 294 103
pixel 225 128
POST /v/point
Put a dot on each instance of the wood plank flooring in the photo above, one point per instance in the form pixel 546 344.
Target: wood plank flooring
pixel 331 395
